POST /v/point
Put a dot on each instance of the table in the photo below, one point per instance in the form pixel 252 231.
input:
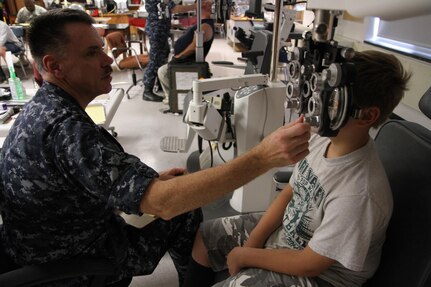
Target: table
pixel 110 103
pixel 102 20
pixel 122 27
pixel 115 18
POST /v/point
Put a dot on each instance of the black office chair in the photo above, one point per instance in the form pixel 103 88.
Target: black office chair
pixel 258 58
pixel 405 150
pixel 98 270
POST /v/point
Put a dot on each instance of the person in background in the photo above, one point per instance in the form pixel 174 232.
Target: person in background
pixel 29 12
pixel 158 30
pixel 8 42
pixel 63 178
pixel 185 46
pixel 327 227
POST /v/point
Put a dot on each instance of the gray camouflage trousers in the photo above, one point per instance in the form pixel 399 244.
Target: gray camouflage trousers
pixel 221 235
pixel 159 52
pixel 149 244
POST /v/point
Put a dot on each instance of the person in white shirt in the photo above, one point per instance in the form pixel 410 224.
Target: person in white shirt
pixel 29 12
pixel 8 42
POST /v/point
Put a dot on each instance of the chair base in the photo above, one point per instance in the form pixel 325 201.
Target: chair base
pixel 138 83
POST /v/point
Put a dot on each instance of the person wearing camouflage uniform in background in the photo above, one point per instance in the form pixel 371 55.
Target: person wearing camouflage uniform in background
pixel 158 30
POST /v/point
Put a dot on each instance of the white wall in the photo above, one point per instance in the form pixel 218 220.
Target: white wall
pixel 352 33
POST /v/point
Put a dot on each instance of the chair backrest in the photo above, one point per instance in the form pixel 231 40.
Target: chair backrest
pixel 18 31
pixel 263 43
pixel 116 40
pixel 405 150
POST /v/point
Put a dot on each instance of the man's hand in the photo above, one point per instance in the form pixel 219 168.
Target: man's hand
pixel 171 173
pixel 180 60
pixel 3 52
pixel 286 145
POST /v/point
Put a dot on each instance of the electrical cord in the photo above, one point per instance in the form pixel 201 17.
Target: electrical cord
pixel 211 154
pixel 265 117
pixel 219 154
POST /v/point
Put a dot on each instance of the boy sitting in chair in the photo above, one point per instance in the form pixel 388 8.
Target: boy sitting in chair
pixel 327 227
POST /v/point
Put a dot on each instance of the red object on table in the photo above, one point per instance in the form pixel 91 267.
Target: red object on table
pixel 138 22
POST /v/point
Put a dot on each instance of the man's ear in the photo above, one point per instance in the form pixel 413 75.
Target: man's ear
pixel 52 66
pixel 369 116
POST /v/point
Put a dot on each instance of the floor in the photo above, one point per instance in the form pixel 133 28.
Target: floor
pixel 140 126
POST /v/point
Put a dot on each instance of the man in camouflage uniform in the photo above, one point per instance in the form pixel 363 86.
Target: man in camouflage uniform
pixel 158 29
pixel 63 178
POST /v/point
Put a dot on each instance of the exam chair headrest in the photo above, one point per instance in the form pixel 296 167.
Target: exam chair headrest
pixel 425 103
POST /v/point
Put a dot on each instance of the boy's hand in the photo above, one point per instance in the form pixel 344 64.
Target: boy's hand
pixel 234 260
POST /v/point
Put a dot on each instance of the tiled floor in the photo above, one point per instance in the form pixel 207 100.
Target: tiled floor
pixel 141 125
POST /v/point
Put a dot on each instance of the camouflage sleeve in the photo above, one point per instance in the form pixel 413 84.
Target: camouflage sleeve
pixel 171 5
pixel 94 162
pixel 2 200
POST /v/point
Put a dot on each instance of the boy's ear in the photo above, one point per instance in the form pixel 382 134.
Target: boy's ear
pixel 369 116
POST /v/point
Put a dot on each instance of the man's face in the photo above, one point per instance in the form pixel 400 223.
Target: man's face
pixel 206 6
pixel 86 68
pixel 30 6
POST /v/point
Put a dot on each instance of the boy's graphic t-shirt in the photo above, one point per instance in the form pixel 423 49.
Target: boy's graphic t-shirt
pixel 340 209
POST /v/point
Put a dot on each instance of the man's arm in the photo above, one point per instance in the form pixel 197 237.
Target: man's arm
pixel 191 48
pixel 183 8
pixel 271 220
pixel 3 34
pixel 169 198
pixel 19 17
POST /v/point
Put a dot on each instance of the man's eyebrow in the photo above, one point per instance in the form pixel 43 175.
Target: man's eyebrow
pixel 93 47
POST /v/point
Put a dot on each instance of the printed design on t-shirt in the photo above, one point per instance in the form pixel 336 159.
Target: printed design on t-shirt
pixel 299 218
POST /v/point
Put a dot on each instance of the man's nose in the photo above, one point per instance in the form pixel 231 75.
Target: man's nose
pixel 107 58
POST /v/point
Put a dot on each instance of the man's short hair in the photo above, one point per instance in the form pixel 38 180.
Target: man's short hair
pixel 47 32
pixel 381 81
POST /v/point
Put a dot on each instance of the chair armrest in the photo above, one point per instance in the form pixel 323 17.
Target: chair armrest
pixel 228 64
pixel 123 50
pixel 52 271
pixel 112 106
